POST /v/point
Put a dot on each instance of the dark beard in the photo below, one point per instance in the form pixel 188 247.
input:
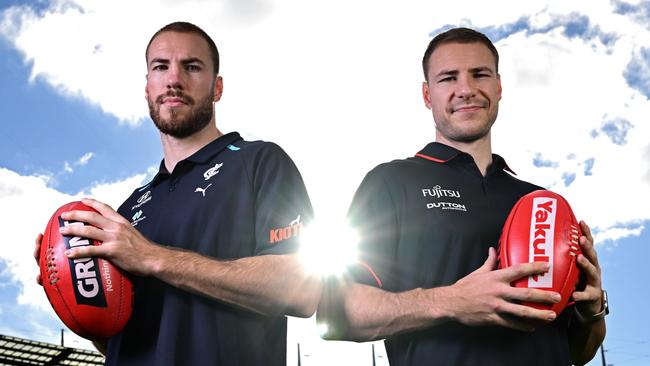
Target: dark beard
pixel 178 127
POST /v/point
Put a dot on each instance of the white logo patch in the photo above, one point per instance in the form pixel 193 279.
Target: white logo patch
pixel 542 239
pixel 202 190
pixel 438 192
pixel 137 217
pixel 146 197
pixel 212 171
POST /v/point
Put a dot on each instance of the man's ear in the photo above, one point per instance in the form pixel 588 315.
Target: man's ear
pixel 218 88
pixel 425 94
pixel 146 87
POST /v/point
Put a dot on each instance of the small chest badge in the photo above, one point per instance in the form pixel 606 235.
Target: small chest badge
pixel 212 171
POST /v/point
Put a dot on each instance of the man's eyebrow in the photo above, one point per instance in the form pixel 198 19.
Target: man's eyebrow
pixel 192 60
pixel 481 69
pixel 447 73
pixel 185 61
pixel 159 60
pixel 472 70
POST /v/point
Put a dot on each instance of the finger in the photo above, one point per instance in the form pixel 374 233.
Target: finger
pixel 85 231
pixel 533 295
pixel 588 250
pixel 89 217
pixel 589 270
pixel 523 270
pixel 37 247
pixel 104 209
pixel 527 313
pixel 592 294
pixel 86 251
pixel 490 262
pixel 586 231
pixel 39 280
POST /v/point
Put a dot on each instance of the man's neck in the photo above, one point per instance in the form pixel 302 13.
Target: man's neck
pixel 480 150
pixel 175 149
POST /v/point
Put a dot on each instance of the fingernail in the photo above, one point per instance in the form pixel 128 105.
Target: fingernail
pixel 551 316
pixel 67 253
pixel 557 298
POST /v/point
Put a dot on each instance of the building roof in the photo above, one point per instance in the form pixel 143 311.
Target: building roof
pixel 20 351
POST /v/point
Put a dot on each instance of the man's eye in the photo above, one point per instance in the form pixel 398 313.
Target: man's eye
pixel 159 67
pixel 447 79
pixel 481 75
pixel 193 68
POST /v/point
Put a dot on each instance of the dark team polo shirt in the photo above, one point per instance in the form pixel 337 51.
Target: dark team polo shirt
pixel 231 199
pixel 428 221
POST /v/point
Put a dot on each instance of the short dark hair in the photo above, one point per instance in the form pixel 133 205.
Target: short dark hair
pixel 185 27
pixel 458 35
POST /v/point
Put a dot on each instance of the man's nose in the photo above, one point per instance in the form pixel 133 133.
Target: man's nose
pixel 465 87
pixel 174 77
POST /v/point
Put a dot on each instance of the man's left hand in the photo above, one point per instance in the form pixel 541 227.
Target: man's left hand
pixel 589 301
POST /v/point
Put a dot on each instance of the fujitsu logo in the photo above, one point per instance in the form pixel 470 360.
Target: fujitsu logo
pixel 541 239
pixel 439 192
pixel 86 279
pixel 284 233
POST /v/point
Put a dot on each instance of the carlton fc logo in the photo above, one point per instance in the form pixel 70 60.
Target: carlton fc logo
pixel 212 171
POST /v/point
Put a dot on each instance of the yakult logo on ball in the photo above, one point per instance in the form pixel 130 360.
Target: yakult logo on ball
pixel 86 278
pixel 542 234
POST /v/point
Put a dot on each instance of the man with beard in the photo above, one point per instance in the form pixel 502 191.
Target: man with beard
pixel 426 224
pixel 210 241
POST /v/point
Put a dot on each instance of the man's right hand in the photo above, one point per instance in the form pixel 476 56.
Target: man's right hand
pixel 486 297
pixel 37 256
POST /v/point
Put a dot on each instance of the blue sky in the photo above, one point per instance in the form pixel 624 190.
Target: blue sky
pixel 340 100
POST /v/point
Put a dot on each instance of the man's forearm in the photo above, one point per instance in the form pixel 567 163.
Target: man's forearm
pixel 268 284
pixel 584 340
pixel 363 313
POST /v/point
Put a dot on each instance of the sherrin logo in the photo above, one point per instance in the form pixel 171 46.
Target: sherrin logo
pixel 85 275
pixel 541 239
pixel 287 232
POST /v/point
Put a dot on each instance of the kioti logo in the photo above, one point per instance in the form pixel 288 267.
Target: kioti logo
pixel 86 278
pixel 541 239
pixel 284 233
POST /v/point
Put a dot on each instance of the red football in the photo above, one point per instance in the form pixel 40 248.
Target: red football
pixel 541 227
pixel 90 295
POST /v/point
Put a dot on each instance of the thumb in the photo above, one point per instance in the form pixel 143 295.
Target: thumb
pixel 490 263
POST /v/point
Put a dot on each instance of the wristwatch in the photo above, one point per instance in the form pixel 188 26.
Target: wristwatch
pixel 595 317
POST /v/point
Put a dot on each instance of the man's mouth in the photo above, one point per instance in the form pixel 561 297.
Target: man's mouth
pixel 174 100
pixel 467 108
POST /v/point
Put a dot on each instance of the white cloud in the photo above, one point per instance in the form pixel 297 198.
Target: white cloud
pixel 85 159
pixel 333 84
pixel 67 168
pixel 556 93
